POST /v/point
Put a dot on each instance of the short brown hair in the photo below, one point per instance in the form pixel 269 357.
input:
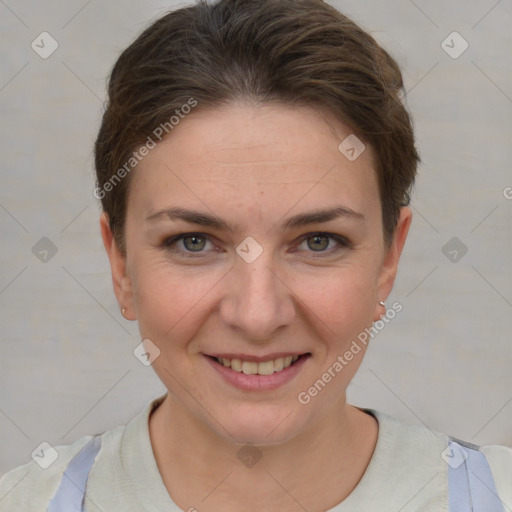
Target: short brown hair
pixel 300 52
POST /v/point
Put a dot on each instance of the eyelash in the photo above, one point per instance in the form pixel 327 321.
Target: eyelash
pixel 343 243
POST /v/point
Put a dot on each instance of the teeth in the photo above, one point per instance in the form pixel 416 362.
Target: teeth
pixel 254 368
pixel 266 368
pixel 250 367
pixel 236 365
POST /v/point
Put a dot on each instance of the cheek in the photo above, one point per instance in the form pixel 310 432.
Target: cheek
pixel 173 302
pixel 342 299
pixel 170 301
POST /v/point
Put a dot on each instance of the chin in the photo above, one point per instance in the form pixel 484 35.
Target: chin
pixel 258 427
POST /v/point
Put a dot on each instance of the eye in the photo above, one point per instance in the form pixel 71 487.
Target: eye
pixel 319 242
pixel 193 243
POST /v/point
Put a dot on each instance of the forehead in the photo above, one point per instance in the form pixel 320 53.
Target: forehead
pixel 261 153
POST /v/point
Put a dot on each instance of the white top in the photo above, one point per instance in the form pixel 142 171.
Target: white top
pixel 406 472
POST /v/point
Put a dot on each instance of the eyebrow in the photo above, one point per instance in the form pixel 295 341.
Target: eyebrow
pixel 213 221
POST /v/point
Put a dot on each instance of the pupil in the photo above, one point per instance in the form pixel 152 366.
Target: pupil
pixel 319 237
pixel 195 243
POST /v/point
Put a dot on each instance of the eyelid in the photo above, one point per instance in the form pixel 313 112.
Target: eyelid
pixel 170 242
pixel 343 243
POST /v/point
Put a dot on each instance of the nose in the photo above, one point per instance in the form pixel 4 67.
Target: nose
pixel 259 301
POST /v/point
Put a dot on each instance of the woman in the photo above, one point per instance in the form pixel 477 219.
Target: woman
pixel 254 165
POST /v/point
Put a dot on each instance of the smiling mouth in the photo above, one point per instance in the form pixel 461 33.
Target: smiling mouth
pixel 259 368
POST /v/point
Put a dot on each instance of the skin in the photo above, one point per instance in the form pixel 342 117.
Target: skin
pixel 255 166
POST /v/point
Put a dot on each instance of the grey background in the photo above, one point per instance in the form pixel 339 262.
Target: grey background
pixel 68 369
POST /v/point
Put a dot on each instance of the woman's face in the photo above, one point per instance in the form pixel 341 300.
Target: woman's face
pixel 251 281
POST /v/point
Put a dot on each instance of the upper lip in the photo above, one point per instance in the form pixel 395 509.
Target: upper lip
pixel 256 359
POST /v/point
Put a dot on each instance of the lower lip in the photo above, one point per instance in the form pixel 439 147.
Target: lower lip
pixel 259 382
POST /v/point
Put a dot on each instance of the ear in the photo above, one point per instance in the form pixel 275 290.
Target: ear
pixel 120 280
pixel 392 256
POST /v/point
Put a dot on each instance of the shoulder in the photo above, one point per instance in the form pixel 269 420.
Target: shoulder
pixel 30 486
pixel 437 451
pixel 406 441
pixel 499 459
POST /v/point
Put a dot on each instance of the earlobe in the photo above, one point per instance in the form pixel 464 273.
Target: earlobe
pixel 120 280
pixel 392 256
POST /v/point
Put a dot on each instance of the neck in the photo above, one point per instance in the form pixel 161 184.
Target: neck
pixel 316 469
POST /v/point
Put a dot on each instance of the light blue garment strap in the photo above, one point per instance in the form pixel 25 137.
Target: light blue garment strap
pixel 470 481
pixel 70 495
